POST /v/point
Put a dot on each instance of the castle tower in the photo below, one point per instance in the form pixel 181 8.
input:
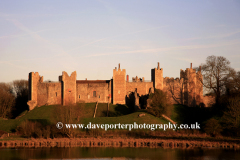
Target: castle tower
pixel 184 77
pixel 199 87
pixel 189 76
pixel 192 87
pixel 68 88
pixel 157 77
pixel 33 80
pixel 119 85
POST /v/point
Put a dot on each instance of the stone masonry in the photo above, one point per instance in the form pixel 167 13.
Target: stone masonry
pixel 186 90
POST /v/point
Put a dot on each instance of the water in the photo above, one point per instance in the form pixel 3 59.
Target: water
pixel 118 154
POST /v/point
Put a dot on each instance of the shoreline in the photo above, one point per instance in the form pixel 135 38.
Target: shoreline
pixel 117 142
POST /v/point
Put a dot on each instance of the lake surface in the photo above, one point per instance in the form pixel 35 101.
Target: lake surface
pixel 118 153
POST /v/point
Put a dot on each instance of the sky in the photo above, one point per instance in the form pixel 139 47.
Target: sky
pixel 92 36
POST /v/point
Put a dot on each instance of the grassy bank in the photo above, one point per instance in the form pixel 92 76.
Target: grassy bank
pixel 46 115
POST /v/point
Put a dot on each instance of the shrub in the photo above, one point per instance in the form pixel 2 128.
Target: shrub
pixel 159 103
pixel 37 130
pixel 213 127
pixel 231 116
pixel 69 114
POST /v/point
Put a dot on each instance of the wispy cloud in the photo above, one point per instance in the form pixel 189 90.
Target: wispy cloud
pixel 20 60
pixel 51 46
pixel 186 60
pixel 216 36
pixel 87 44
pixel 15 65
pixel 120 35
pixel 21 35
pixel 22 16
pixel 154 50
pixel 107 6
pixel 26 30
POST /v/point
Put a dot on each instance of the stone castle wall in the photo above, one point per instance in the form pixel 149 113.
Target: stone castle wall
pixel 187 90
pixel 142 88
pixel 69 88
pixel 119 86
pixel 174 89
pixel 199 88
pixel 94 91
pixel 157 77
pixel 208 101
pixel 49 93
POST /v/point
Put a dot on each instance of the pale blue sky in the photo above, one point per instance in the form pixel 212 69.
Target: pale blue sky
pixel 93 36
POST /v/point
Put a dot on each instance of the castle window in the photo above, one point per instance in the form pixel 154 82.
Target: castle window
pixel 56 94
pixel 94 94
pixel 79 96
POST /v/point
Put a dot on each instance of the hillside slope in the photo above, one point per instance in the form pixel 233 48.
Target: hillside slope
pixel 117 114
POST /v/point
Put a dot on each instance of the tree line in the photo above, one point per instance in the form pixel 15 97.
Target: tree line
pixel 13 98
pixel 219 80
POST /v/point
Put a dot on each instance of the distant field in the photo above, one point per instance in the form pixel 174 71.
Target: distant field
pixel 117 114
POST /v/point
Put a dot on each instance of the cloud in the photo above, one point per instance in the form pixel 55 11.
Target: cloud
pixel 154 50
pixel 21 16
pixel 87 44
pixel 186 59
pixel 17 66
pixel 19 60
pixel 66 59
pixel 21 35
pixel 121 35
pixel 27 31
pixel 216 36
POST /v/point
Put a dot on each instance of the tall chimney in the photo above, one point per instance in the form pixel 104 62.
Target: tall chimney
pixel 191 65
pixel 127 78
pixel 119 66
pixel 200 68
pixel 158 66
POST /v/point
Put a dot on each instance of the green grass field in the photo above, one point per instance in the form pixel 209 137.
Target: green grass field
pixel 117 114
pixel 126 119
pixel 44 113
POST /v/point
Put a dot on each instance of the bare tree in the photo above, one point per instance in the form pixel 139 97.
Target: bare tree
pixel 215 73
pixel 69 114
pixel 19 88
pixel 7 100
pixel 233 83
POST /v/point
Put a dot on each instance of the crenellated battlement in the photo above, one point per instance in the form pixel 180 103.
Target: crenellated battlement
pixel 119 70
pixel 157 77
pixel 136 79
pixel 186 90
pixel 119 85
pixel 69 87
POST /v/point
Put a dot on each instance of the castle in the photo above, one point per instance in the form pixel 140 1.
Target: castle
pixel 187 89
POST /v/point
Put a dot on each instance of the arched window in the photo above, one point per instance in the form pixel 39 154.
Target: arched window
pixel 94 94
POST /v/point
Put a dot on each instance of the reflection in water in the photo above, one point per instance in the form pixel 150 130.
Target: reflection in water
pixel 117 154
